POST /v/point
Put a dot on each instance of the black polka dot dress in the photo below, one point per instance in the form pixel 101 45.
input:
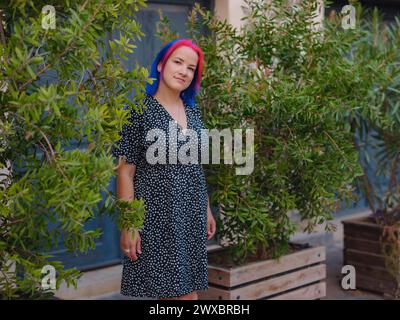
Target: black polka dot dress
pixel 173 261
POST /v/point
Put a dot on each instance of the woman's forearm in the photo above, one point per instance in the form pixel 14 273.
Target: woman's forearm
pixel 125 182
pixel 125 189
pixel 125 177
pixel 209 206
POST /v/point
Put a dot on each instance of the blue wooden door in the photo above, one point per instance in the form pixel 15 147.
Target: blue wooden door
pixel 107 250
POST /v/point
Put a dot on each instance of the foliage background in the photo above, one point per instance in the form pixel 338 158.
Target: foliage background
pixel 62 98
pixel 300 86
pixel 305 90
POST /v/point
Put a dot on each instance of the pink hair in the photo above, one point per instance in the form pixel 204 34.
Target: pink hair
pixel 190 44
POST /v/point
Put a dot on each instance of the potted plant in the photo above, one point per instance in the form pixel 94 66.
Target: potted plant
pixel 277 75
pixel 371 244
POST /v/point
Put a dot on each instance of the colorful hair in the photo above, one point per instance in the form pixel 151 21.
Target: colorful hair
pixel 188 95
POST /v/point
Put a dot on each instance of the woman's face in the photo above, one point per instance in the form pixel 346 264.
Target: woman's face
pixel 179 68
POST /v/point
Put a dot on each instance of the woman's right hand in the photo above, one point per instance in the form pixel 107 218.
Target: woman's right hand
pixel 133 244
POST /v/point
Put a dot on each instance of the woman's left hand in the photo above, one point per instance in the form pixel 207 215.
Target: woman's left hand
pixel 211 226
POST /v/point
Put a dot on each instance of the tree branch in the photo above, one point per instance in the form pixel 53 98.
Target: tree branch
pixel 66 50
pixel 2 35
pixel 367 184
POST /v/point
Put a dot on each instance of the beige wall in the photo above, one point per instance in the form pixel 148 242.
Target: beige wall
pixel 234 10
pixel 230 10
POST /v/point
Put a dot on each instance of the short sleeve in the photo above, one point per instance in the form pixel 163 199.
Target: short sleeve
pixel 199 116
pixel 130 144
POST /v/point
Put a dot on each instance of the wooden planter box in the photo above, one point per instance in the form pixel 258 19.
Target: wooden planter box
pixel 298 275
pixel 362 249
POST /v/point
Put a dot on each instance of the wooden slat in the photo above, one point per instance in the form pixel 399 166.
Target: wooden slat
pixel 362 245
pixel 279 284
pixel 372 284
pixel 372 272
pixel 363 228
pixel 214 293
pixel 354 257
pixel 367 231
pixel 311 292
pixel 268 287
pixel 231 277
pixel 364 221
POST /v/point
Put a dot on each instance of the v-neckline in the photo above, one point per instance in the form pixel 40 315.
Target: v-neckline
pixel 184 108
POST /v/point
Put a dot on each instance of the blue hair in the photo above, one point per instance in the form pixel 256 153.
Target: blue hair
pixel 189 94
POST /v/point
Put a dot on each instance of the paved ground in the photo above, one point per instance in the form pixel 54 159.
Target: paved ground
pixel 334 246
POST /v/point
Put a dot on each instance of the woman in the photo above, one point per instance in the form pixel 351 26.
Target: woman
pixel 167 259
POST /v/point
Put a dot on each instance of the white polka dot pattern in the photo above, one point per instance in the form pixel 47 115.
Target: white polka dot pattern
pixel 173 261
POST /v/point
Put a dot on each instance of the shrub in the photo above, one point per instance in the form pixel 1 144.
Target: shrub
pixel 62 92
pixel 292 81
